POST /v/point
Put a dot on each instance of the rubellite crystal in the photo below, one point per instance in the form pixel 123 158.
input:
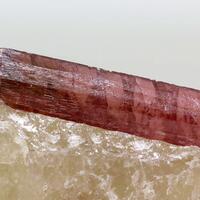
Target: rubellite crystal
pixel 109 100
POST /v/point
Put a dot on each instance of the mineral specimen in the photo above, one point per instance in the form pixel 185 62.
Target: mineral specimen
pixel 109 100
pixel 44 158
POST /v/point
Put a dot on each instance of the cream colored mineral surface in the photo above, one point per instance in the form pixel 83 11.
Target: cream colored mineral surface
pixel 44 158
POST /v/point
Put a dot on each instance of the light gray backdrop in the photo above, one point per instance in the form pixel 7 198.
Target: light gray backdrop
pixel 159 39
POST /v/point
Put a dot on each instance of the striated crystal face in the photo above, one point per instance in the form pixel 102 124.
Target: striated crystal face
pixel 44 158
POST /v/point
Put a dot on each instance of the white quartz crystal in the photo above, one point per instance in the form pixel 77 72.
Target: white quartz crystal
pixel 44 158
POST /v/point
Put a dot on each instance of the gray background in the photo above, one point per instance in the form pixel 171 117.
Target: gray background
pixel 159 39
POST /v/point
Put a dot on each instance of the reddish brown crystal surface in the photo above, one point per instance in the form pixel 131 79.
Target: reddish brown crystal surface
pixel 109 100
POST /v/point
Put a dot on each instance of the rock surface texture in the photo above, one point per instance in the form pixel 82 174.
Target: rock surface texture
pixel 45 158
pixel 109 100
